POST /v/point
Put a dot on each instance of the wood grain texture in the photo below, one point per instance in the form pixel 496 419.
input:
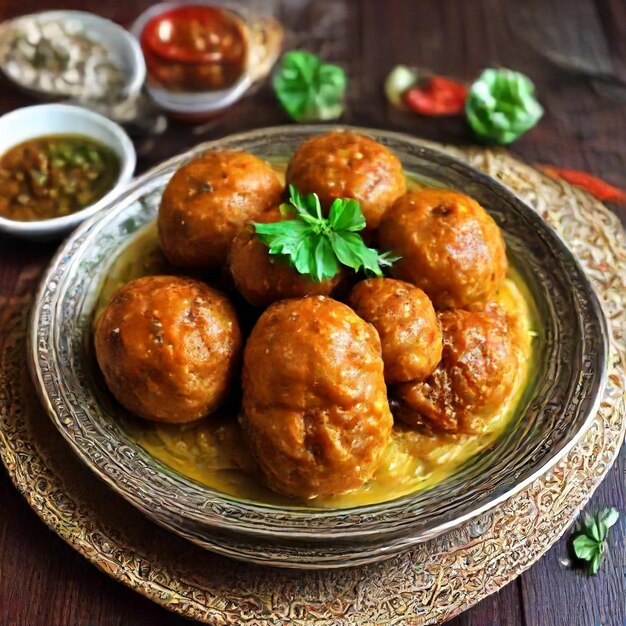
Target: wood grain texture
pixel 42 581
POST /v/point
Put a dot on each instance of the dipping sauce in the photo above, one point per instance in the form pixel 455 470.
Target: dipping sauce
pixel 55 175
pixel 194 48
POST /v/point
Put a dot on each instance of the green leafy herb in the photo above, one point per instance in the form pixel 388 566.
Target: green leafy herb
pixel 309 89
pixel 316 245
pixel 591 535
pixel 501 106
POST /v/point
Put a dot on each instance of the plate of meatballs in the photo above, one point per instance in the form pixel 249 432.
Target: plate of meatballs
pixel 314 347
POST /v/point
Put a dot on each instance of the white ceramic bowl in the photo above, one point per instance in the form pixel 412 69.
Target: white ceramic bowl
pixel 59 119
pixel 123 47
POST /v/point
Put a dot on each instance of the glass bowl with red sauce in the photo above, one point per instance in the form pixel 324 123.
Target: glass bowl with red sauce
pixel 198 57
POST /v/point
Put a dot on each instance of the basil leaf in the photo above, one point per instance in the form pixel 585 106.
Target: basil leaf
pixel 308 89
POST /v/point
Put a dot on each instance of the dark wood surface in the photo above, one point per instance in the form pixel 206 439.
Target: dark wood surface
pixel 575 52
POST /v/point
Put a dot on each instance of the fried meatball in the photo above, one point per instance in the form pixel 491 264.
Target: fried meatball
pixel 168 347
pixel 262 278
pixel 407 324
pixel 208 201
pixel 450 246
pixel 342 164
pixel 478 370
pixel 315 407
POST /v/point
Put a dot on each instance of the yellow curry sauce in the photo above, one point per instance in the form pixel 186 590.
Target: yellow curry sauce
pixel 55 175
pixel 213 452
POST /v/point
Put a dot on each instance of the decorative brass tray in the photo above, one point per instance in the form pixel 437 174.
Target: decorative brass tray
pixel 430 583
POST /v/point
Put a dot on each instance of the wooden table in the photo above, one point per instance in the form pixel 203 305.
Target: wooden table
pixel 575 52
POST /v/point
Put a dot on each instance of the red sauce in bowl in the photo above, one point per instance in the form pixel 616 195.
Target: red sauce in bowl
pixel 194 48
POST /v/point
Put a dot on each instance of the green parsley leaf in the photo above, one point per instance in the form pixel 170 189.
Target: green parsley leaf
pixel 595 531
pixel 609 516
pixel 501 106
pixel 326 265
pixel 591 535
pixel 346 214
pixel 307 88
pixel 585 547
pixel 316 245
pixel 387 259
pixel 594 563
pixel 348 250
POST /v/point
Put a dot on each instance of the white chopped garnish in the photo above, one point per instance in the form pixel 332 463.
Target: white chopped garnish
pixel 61 58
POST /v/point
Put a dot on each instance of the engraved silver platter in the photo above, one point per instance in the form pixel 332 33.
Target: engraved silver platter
pixel 557 409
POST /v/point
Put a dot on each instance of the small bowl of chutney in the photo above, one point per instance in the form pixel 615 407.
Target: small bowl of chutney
pixel 202 58
pixel 59 165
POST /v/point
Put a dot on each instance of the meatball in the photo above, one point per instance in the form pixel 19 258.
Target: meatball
pixel 208 201
pixel 477 373
pixel 450 246
pixel 168 347
pixel 262 278
pixel 315 407
pixel 407 324
pixel 342 164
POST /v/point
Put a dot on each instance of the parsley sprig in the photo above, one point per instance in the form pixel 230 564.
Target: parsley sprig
pixel 590 540
pixel 316 245
pixel 309 89
pixel 501 105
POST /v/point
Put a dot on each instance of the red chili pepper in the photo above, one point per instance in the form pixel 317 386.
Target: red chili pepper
pixel 437 96
pixel 595 186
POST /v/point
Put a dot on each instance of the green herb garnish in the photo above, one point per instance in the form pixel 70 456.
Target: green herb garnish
pixel 501 105
pixel 308 89
pixel 316 245
pixel 590 540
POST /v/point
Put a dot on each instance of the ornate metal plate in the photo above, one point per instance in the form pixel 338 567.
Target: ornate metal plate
pixel 428 584
pixel 573 364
